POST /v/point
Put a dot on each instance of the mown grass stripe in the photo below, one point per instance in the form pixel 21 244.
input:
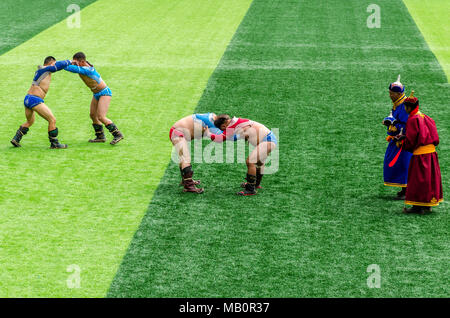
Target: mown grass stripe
pixel 431 18
pixel 20 20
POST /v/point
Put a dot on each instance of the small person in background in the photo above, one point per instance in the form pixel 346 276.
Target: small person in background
pixel 424 178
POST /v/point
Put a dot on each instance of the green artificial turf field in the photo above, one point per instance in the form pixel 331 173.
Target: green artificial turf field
pixel 82 206
pixel 311 69
pixel 314 70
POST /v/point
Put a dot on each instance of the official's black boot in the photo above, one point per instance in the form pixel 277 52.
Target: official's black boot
pixel 54 143
pixel 115 132
pixel 401 194
pixel 22 131
pixel 250 186
pixel 426 209
pixel 417 209
pixel 99 134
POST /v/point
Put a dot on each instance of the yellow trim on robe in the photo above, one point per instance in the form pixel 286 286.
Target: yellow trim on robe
pixel 436 203
pixel 398 185
pixel 421 114
pixel 424 150
pixel 399 101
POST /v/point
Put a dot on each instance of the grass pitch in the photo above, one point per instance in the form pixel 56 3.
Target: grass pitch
pixel 314 70
pixel 310 68
pixel 82 205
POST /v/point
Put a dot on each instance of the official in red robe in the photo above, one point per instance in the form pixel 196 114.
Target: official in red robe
pixel 424 174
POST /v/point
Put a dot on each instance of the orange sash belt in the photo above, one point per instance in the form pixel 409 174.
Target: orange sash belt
pixel 424 149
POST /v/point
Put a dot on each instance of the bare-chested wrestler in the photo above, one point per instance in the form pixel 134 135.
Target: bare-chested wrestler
pixel 183 131
pixel 34 102
pixel 256 134
pixel 100 100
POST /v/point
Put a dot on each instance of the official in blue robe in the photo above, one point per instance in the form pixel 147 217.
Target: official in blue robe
pixel 396 162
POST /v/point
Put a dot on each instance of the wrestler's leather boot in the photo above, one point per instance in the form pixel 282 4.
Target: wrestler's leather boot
pixel 115 132
pixel 54 143
pixel 196 182
pixel 22 131
pixel 188 183
pixel 250 186
pixel 258 180
pixel 100 135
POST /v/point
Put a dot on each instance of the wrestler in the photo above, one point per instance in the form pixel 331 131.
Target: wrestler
pixel 256 134
pixel 183 131
pixel 34 102
pixel 100 101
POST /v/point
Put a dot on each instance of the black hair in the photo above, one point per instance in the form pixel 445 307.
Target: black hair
pixel 412 105
pixel 48 59
pixel 79 56
pixel 221 119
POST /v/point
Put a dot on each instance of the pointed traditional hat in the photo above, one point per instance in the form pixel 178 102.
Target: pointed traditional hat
pixel 397 86
pixel 411 100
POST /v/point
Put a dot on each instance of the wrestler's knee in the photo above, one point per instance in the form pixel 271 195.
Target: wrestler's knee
pixel 30 121
pixel 103 119
pixel 52 120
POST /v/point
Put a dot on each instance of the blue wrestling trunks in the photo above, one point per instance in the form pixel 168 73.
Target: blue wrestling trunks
pixel 104 92
pixel 31 101
pixel 270 137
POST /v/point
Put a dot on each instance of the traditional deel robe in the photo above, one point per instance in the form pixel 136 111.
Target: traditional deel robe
pixel 424 177
pixel 397 174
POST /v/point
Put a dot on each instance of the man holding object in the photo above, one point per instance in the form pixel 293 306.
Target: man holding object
pixel 396 161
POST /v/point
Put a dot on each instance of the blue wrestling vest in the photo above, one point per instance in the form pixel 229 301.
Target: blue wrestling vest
pixel 206 120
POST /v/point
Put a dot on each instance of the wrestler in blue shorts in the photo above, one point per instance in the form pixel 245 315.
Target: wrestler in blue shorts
pixel 270 137
pixel 34 102
pixel 100 101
